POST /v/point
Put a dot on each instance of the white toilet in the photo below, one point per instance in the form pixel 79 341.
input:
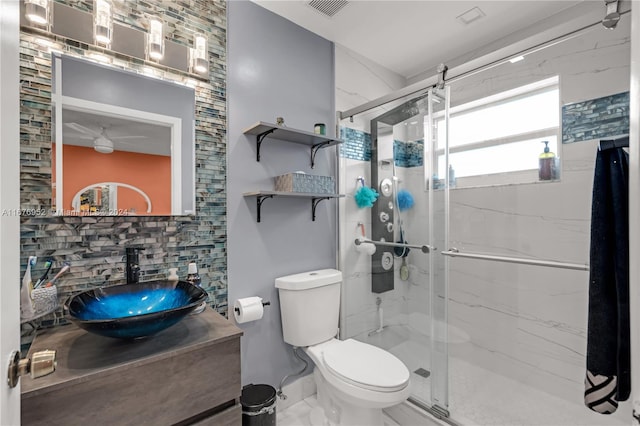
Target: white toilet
pixel 355 381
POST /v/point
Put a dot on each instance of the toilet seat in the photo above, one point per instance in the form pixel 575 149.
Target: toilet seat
pixel 361 364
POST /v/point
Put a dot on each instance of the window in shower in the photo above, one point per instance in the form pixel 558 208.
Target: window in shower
pixel 498 139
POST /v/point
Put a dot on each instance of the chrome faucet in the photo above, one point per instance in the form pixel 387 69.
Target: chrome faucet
pixel 133 264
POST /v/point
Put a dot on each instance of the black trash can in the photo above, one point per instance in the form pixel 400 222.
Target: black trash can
pixel 258 405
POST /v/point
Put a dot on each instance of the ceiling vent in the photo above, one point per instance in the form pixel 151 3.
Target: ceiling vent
pixel 328 7
pixel 470 16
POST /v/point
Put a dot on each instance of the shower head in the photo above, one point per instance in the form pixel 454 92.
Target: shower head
pixel 612 16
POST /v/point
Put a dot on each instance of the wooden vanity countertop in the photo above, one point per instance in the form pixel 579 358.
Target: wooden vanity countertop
pixel 83 356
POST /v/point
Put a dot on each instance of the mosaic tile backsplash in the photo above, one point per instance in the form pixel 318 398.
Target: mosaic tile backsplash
pixel 408 154
pixel 356 144
pixel 95 246
pixel 596 118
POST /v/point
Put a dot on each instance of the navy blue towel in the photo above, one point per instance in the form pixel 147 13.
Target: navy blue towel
pixel 608 378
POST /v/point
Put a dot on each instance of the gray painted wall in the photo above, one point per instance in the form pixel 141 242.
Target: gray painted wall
pixel 275 69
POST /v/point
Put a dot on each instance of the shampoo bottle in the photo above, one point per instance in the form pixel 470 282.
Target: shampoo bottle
pixel 546 163
pixel 452 177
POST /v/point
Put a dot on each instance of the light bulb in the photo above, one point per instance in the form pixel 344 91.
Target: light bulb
pixel 102 22
pixel 200 54
pixel 37 11
pixel 155 40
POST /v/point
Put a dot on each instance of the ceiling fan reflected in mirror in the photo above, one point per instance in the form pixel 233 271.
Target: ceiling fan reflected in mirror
pixel 102 143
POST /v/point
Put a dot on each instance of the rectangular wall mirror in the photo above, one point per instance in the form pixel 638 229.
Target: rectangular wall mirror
pixel 124 144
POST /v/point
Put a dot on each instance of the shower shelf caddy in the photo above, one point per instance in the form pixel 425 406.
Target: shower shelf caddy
pixel 263 130
pixel 316 142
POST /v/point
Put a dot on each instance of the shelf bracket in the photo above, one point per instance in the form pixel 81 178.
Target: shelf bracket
pixel 315 148
pixel 314 203
pixel 259 138
pixel 259 200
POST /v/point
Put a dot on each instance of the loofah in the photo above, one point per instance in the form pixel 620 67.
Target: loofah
pixel 365 197
pixel 405 200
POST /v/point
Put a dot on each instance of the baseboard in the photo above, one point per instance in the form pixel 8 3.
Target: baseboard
pixel 296 391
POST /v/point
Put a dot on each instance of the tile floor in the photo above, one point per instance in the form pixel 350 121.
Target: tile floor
pixel 298 414
pixel 477 396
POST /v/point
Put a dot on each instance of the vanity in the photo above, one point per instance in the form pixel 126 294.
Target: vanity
pixel 187 374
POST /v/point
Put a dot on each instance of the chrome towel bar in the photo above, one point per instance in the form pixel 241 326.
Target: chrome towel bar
pixel 550 263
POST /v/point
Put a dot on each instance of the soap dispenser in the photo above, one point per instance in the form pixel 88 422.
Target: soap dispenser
pixel 546 163
pixel 194 278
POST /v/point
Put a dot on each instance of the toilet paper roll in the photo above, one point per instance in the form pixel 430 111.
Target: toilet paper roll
pixel 366 248
pixel 248 309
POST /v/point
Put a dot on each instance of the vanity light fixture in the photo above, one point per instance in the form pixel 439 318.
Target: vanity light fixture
pixel 516 59
pixel 37 11
pixel 102 23
pixel 199 55
pixel 155 39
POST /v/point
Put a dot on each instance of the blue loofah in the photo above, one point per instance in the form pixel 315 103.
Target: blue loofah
pixel 405 200
pixel 365 197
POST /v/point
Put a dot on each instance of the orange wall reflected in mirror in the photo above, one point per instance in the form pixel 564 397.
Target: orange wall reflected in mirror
pixel 83 166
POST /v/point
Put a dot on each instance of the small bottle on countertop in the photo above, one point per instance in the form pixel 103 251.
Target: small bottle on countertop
pixel 173 274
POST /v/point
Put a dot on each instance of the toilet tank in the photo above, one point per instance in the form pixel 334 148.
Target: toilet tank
pixel 309 306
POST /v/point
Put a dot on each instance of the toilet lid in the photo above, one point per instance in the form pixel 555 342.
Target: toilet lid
pixel 366 366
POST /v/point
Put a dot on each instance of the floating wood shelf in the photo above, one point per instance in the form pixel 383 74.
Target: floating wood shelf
pixel 314 197
pixel 263 130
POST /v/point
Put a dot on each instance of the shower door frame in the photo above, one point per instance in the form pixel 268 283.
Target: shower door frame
pixel 384 280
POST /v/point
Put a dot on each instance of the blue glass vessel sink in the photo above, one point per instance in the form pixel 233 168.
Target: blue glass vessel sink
pixel 131 311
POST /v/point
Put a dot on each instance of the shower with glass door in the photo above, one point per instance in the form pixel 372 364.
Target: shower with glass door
pixel 479 283
pixel 408 225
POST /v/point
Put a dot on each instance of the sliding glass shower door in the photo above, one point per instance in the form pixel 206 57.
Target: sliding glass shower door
pixel 408 287
pixel 438 180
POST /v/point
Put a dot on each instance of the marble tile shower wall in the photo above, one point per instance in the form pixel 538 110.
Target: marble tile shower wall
pixel 359 304
pixel 95 245
pixel 528 323
pixel 361 310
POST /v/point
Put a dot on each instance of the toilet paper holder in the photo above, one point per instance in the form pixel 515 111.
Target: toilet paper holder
pixel 267 303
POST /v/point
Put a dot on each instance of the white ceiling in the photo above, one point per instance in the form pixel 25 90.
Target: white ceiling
pixel 126 134
pixel 410 37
